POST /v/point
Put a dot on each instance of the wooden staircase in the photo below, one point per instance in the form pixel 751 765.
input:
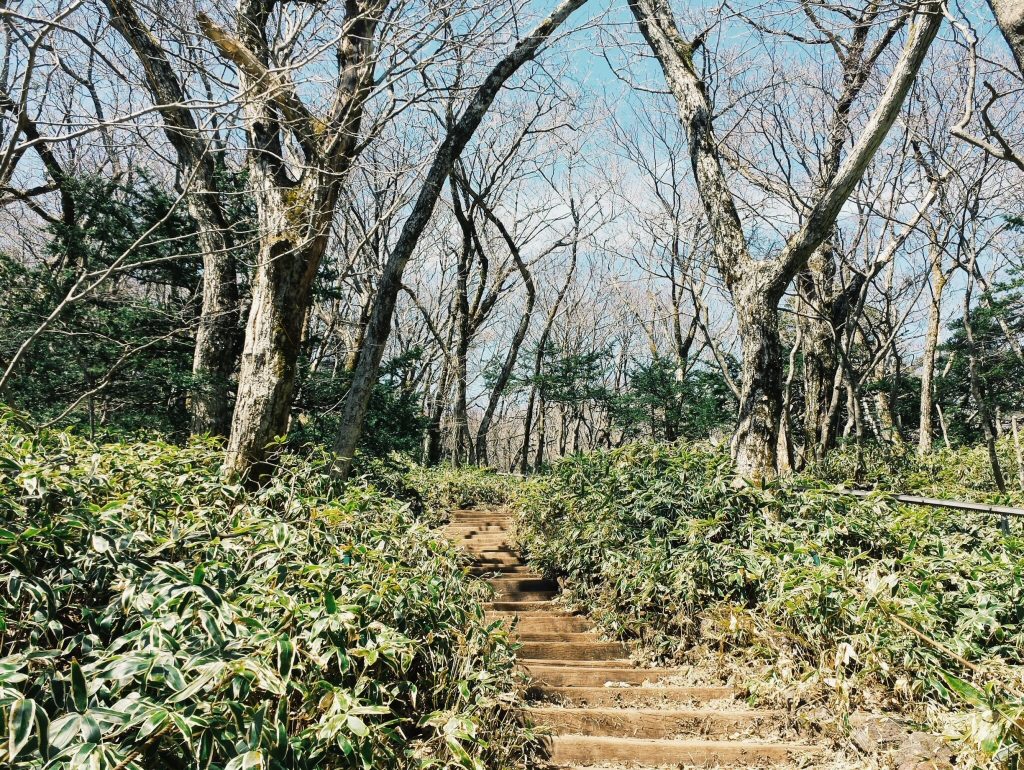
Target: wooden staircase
pixel 600 709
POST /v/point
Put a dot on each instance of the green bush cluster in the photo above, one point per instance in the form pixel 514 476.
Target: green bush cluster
pixel 855 599
pixel 445 488
pixel 155 615
pixel 959 473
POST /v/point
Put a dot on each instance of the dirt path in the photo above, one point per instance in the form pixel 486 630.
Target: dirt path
pixel 599 707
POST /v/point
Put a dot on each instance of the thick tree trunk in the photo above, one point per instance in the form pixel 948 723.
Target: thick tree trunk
pixel 1010 18
pixel 266 382
pixel 819 369
pixel 756 440
pixel 294 217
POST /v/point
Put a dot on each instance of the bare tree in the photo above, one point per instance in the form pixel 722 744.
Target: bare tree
pixel 757 286
pixel 457 137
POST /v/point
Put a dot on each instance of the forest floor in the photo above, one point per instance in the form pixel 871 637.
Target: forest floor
pixel 598 708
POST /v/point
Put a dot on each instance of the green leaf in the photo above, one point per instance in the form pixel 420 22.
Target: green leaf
pixel 285 656
pixel 79 690
pixel 64 730
pixel 21 723
pixel 965 690
pixel 357 726
pixel 250 760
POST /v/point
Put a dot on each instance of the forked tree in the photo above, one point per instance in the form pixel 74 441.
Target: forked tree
pixel 756 286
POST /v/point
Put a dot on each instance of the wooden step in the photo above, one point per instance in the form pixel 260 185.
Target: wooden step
pixel 593 750
pixel 494 572
pixel 655 722
pixel 583 651
pixel 517 583
pixel 504 605
pixel 629 696
pixel 524 596
pixel 568 676
pixel 549 622
pixel 572 637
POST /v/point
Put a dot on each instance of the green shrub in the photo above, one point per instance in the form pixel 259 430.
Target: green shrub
pixel 156 616
pixel 961 473
pixel 867 601
pixel 445 488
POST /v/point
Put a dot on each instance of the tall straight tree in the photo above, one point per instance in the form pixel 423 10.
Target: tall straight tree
pixel 756 286
pixel 216 338
pixel 458 135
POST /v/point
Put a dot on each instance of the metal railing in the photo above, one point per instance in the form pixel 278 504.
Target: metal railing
pixel 995 510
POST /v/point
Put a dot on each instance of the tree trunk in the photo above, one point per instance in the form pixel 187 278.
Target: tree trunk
pixel 977 390
pixel 458 136
pixel 216 352
pixel 432 442
pixel 756 440
pixel 1010 18
pixel 508 366
pixel 216 347
pixel 266 382
pixel 756 286
pixel 542 420
pixel 931 342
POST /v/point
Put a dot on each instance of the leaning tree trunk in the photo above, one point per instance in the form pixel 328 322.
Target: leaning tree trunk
pixel 379 327
pixel 216 347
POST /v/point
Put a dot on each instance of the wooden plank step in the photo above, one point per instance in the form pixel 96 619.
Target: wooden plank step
pixel 573 637
pixel 504 605
pixel 546 622
pixel 499 562
pixel 567 676
pixel 629 696
pixel 592 750
pixel 654 722
pixel 509 570
pixel 518 583
pixel 524 596
pixel 589 650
